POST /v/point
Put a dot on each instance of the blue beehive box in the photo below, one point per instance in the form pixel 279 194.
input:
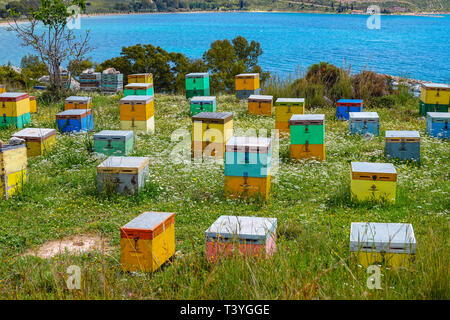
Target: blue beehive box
pixel 437 124
pixel 345 106
pixel 248 157
pixel 364 123
pixel 403 145
pixel 75 120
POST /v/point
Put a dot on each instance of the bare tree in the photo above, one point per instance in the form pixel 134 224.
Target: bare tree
pixel 46 30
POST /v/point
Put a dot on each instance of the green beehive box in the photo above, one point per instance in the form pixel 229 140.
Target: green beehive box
pixel 197 84
pixel 202 104
pixel 114 142
pixel 18 122
pixel 138 89
pixel 424 108
pixel 307 128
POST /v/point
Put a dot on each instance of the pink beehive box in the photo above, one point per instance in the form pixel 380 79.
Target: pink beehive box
pixel 255 236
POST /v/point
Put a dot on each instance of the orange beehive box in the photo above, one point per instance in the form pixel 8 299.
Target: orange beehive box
pixel 201 149
pixel 307 151
pixel 247 81
pixel 260 105
pixel 244 187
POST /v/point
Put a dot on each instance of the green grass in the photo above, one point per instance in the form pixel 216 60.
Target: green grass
pixel 309 199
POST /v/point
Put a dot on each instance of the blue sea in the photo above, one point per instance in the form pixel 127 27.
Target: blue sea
pixel 410 46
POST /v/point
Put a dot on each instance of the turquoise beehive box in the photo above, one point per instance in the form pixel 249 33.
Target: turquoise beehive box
pixel 438 124
pixel 403 145
pixel 364 123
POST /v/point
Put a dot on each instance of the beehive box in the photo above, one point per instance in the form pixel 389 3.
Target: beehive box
pixel 373 181
pixel 210 132
pixel 434 97
pixel 33 104
pixel 250 236
pixel 388 244
pixel 39 141
pixel 138 89
pixel 112 82
pixel 147 241
pixel 14 109
pixel 140 78
pixel 285 108
pixel 114 142
pixel 202 104
pixel 248 156
pixel 364 123
pixel 197 84
pixel 75 120
pixel 139 126
pixel 438 124
pixel 90 81
pixel 260 105
pixel 403 145
pixel 122 174
pixel 247 81
pixel 2 88
pixel 345 106
pixel 307 136
pixel 76 102
pixel 13 165
pixel 138 108
pixel 247 187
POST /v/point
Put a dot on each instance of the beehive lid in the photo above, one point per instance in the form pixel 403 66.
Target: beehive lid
pixel 197 75
pixel 382 237
pixel 74 113
pixel 436 86
pixel 131 165
pixel 114 134
pixel 220 117
pixel 34 133
pixel 290 100
pixel 248 144
pixel 135 99
pixel 13 96
pixel 208 99
pixel 251 228
pixel 138 86
pixel 438 115
pixel 363 115
pixel 247 75
pixel 402 134
pixel 147 225
pixel 307 119
pixel 353 101
pixel 78 99
pixel 258 97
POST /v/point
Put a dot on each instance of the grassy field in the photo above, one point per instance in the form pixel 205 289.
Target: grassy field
pixel 311 201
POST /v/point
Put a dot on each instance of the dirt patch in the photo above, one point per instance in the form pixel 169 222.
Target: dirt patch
pixel 73 245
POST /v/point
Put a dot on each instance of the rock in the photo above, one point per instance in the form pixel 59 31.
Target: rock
pixel 16 141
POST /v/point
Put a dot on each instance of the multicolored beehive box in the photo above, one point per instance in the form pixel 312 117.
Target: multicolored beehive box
pixel 388 244
pixel 147 241
pixel 114 142
pixel 345 106
pixel 33 104
pixel 403 145
pixel 140 78
pixel 112 82
pixel 285 108
pixel 434 97
pixel 249 236
pixel 210 132
pixel 260 105
pixel 14 109
pixel 364 123
pixel 197 84
pixel 75 120
pixel 247 167
pixel 137 113
pixel 76 102
pixel 90 81
pixel 438 124
pixel 138 89
pixel 307 136
pixel 39 141
pixel 13 165
pixel 2 88
pixel 246 85
pixel 373 181
pixel 202 104
pixel 122 174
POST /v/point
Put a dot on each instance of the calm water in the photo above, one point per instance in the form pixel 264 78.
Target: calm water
pixel 417 47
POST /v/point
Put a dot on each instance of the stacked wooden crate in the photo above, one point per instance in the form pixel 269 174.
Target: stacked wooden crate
pixel 210 133
pixel 202 104
pixel 114 142
pixel 246 85
pixel 403 145
pixel 137 113
pixel 260 105
pixel 285 108
pixel 112 82
pixel 197 84
pixel 345 106
pixel 307 136
pixel 75 120
pixel 247 167
pixel 14 109
pixel 364 123
pixel 39 141
pixel 90 81
pixel 437 124
pixel 13 168
pixel 434 97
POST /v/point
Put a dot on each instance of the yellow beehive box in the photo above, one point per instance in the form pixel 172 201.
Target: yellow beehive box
pixel 140 108
pixel 76 102
pixel 147 241
pixel 33 104
pixel 247 81
pixel 212 127
pixel 147 126
pixel 435 93
pixel 243 187
pixel 387 244
pixel 13 158
pixel 38 140
pixel 373 181
pixel 140 78
pixel 14 104
pixel 2 88
pixel 11 183
pixel 285 108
